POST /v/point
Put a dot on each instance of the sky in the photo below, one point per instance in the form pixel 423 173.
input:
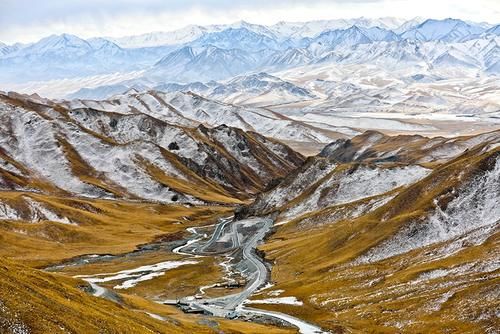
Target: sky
pixel 29 20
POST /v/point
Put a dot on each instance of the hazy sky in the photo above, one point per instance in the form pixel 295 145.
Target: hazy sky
pixel 30 20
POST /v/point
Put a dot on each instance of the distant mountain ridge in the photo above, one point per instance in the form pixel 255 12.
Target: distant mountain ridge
pixel 221 52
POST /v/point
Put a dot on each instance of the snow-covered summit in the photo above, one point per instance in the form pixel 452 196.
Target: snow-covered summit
pixel 447 30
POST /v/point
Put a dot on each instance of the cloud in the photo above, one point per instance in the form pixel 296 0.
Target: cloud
pixel 29 20
pixel 35 11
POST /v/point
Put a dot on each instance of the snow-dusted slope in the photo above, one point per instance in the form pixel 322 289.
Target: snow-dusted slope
pixel 473 213
pixel 289 58
pixel 374 146
pixel 186 35
pixel 253 89
pixel 7 49
pixel 340 38
pixel 190 109
pixel 426 249
pixel 365 172
pixel 256 89
pixel 202 64
pixel 82 151
pixel 180 36
pixel 314 28
pixel 355 184
pixel 238 38
pixel 447 30
pixel 399 81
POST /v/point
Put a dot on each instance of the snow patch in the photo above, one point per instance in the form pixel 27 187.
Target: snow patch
pixel 278 300
pixel 134 276
pixel 475 208
pixel 39 212
pixel 6 212
pixel 342 188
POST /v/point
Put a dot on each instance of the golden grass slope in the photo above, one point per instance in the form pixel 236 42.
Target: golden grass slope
pixel 451 286
pixel 50 303
pixel 99 226
pixel 35 302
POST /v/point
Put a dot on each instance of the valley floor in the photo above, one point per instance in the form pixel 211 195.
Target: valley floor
pixel 148 274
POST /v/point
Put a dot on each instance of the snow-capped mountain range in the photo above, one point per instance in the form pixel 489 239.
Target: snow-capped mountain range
pixel 426 49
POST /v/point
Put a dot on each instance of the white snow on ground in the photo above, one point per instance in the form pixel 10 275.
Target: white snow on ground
pixel 283 222
pixel 476 207
pixel 142 127
pixel 35 141
pixel 133 282
pixel 5 165
pixel 132 277
pixel 230 141
pixel 275 293
pixel 12 321
pixel 364 182
pixel 155 106
pixel 370 90
pixel 156 316
pixel 98 291
pixel 59 88
pixel 476 237
pixel 278 300
pixel 284 193
pixel 190 110
pixel 438 273
pixel 361 122
pixel 265 287
pixel 6 212
pixel 448 148
pixel 401 116
pixel 372 139
pixel 467 268
pixel 36 147
pixel 304 327
pixel 437 303
pixel 120 164
pixel 340 212
pixel 39 212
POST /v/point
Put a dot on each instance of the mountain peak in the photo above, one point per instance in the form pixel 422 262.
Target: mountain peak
pixel 343 37
pixel 494 30
pixel 243 23
pixel 102 43
pixel 68 38
pixel 354 27
pixel 448 30
pixel 59 45
pixel 178 57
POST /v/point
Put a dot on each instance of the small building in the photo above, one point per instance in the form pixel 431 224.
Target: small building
pixel 232 315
